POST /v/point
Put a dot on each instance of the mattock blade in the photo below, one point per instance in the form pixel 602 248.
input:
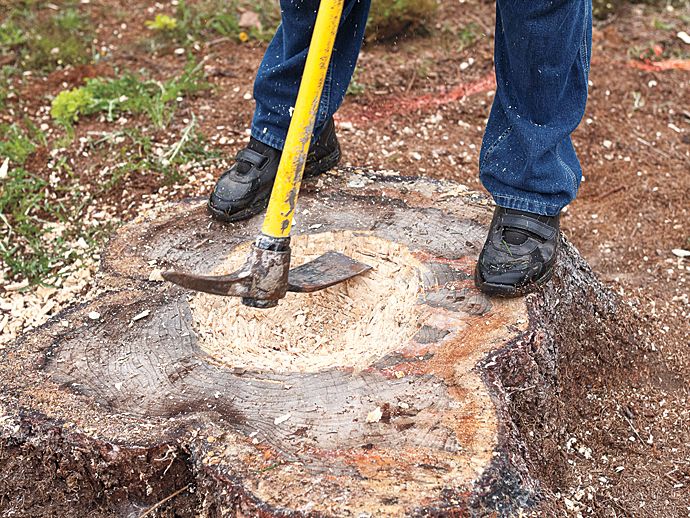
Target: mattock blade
pixel 225 285
pixel 323 272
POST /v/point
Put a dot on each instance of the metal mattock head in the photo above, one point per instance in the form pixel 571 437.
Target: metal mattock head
pixel 265 277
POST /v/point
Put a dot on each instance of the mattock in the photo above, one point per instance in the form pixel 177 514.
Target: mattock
pixel 266 277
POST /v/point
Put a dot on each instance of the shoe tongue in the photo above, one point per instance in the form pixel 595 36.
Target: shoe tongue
pixel 255 145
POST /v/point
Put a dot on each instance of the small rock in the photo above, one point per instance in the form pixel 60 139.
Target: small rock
pixel 356 183
pixel 94 315
pixel 250 20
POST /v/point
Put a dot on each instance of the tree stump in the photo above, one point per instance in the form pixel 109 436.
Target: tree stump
pixel 384 396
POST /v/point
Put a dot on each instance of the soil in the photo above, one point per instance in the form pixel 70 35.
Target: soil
pixel 625 439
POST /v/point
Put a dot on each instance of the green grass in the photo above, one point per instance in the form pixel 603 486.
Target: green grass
pixel 6 83
pixel 355 87
pixel 17 144
pixel 467 35
pixel 128 94
pixel 137 154
pixel 31 207
pixel 389 19
pixel 198 22
pixel 41 38
pixel 31 210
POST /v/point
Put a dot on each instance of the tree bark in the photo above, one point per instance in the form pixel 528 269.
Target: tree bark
pixel 114 409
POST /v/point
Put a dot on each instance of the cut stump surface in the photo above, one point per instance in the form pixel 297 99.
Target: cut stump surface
pixel 374 396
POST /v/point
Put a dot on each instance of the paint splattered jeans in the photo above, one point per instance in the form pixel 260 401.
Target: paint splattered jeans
pixel 542 54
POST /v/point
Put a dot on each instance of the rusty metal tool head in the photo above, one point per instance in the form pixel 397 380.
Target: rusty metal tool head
pixel 266 277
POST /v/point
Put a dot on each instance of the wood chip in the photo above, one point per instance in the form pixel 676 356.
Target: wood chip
pixel 375 415
pixel 348 325
pixel 4 168
pixel 17 286
pixel 156 275
pixel 281 419
pixel 141 315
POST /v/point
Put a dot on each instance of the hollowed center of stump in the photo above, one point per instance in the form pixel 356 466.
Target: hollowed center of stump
pixel 352 324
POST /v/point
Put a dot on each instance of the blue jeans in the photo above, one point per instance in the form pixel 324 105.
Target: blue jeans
pixel 542 53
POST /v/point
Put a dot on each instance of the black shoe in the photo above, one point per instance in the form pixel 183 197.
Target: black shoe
pixel 244 190
pixel 519 253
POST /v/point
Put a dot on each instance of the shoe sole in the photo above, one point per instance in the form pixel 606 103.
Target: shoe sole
pixel 505 290
pixel 315 168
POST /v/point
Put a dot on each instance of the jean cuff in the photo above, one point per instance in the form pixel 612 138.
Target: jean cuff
pixel 278 142
pixel 508 201
pixel 269 139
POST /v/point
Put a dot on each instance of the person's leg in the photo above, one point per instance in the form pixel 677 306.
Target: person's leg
pixel 244 190
pixel 542 52
pixel 280 73
pixel 527 162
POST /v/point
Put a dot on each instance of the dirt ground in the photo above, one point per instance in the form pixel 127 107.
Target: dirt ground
pixel 420 109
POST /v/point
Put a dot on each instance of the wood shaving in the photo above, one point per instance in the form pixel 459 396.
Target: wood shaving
pixel 26 307
pixel 281 419
pixel 352 324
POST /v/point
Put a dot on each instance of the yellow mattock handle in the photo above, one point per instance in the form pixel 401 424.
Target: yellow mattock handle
pixel 281 207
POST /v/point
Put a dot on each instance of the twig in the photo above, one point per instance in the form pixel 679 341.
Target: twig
pixel 167 498
pixel 521 389
pixel 631 425
pixel 217 41
pixel 610 192
pixel 643 141
pixel 411 83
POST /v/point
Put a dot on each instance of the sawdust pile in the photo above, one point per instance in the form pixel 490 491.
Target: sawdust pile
pixel 349 325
